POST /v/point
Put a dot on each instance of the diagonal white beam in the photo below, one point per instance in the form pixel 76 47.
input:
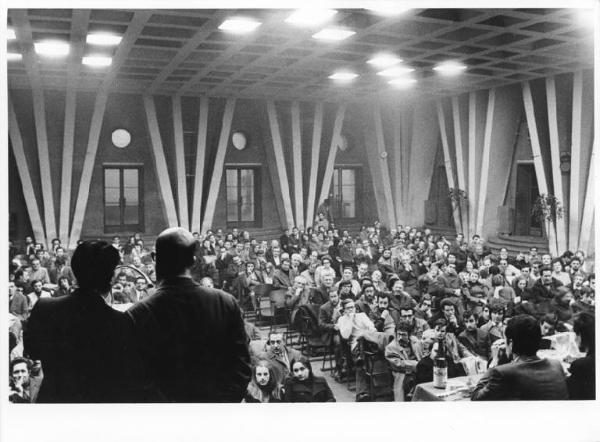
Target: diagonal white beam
pixel 314 163
pixel 576 137
pixel 382 171
pixel 485 160
pixel 587 233
pixel 160 162
pixel 297 153
pixel 460 163
pixel 561 232
pixel 217 175
pixel 398 160
pixel 79 26
pixel 537 159
pixel 337 129
pixel 280 163
pixel 200 159
pixel 28 192
pixel 447 160
pixel 182 199
pixel 472 166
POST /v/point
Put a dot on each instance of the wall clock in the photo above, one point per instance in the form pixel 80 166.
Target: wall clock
pixel 121 138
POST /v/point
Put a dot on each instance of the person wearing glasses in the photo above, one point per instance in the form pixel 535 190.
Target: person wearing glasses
pixel 304 386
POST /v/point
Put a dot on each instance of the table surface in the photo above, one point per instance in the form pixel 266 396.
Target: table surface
pixel 454 391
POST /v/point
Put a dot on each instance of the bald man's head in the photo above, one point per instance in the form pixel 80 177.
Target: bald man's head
pixel 175 250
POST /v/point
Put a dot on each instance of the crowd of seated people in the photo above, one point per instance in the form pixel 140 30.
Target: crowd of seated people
pixel 380 300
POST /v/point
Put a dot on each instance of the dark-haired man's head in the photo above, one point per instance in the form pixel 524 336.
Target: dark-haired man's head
pixel 93 265
pixel 175 250
pixel 523 336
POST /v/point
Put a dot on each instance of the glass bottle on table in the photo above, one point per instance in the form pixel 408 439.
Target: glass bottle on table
pixel 440 366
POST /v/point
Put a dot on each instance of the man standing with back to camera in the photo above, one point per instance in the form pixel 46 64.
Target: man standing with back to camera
pixel 192 338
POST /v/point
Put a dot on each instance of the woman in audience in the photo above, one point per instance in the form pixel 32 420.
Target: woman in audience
pixel 582 382
pixel 304 386
pixel 263 386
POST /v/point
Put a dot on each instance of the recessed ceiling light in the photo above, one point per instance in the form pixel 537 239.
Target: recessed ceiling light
pixel 402 82
pixel 10 34
pixel 343 76
pixel 239 25
pixel 396 71
pixel 52 48
pixel 13 56
pixel 333 34
pixel 97 61
pixel 310 17
pixel 384 60
pixel 103 39
pixel 450 68
pixel 387 8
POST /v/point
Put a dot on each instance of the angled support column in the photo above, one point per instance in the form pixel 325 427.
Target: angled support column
pixel 182 200
pixel 485 160
pixel 382 172
pixel 398 160
pixel 460 164
pixel 586 236
pixel 200 159
pixel 472 166
pixel 162 173
pixel 574 208
pixel 537 159
pixel 19 153
pixel 79 26
pixel 407 139
pixel 88 168
pixel 447 161
pixel 217 175
pixel 561 232
pixel 297 152
pixel 337 129
pixel 280 163
pixel 314 163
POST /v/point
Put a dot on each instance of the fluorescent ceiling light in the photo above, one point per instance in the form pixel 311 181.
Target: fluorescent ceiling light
pixel 10 34
pixel 384 60
pixel 387 8
pixel 52 48
pixel 310 17
pixel 13 56
pixel 103 39
pixel 239 25
pixel 97 61
pixel 333 34
pixel 343 76
pixel 396 71
pixel 450 68
pixel 402 82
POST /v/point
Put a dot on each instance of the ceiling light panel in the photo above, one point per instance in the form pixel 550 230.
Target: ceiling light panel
pixel 450 68
pixel 333 34
pixel 52 48
pixel 10 34
pixel 310 17
pixel 97 61
pixel 103 39
pixel 384 60
pixel 343 76
pixel 239 25
pixel 13 56
pixel 396 71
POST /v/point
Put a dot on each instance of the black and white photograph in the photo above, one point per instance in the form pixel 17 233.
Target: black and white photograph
pixel 369 202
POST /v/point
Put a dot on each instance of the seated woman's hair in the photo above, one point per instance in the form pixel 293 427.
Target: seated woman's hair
pixel 583 325
pixel 94 263
pixel 304 361
pixel 271 388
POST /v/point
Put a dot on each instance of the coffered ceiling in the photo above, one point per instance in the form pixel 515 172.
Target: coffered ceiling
pixel 182 51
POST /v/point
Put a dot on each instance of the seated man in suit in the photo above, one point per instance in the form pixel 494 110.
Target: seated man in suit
pixel 278 354
pixel 526 377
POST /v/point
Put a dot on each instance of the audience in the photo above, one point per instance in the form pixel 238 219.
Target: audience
pixel 386 295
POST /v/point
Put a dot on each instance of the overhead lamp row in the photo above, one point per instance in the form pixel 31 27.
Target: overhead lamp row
pixel 59 49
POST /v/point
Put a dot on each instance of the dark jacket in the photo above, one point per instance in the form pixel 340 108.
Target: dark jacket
pixel 529 379
pixel 193 342
pixel 582 382
pixel 315 390
pixel 87 351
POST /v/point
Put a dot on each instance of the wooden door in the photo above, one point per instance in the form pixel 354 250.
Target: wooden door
pixel 527 192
